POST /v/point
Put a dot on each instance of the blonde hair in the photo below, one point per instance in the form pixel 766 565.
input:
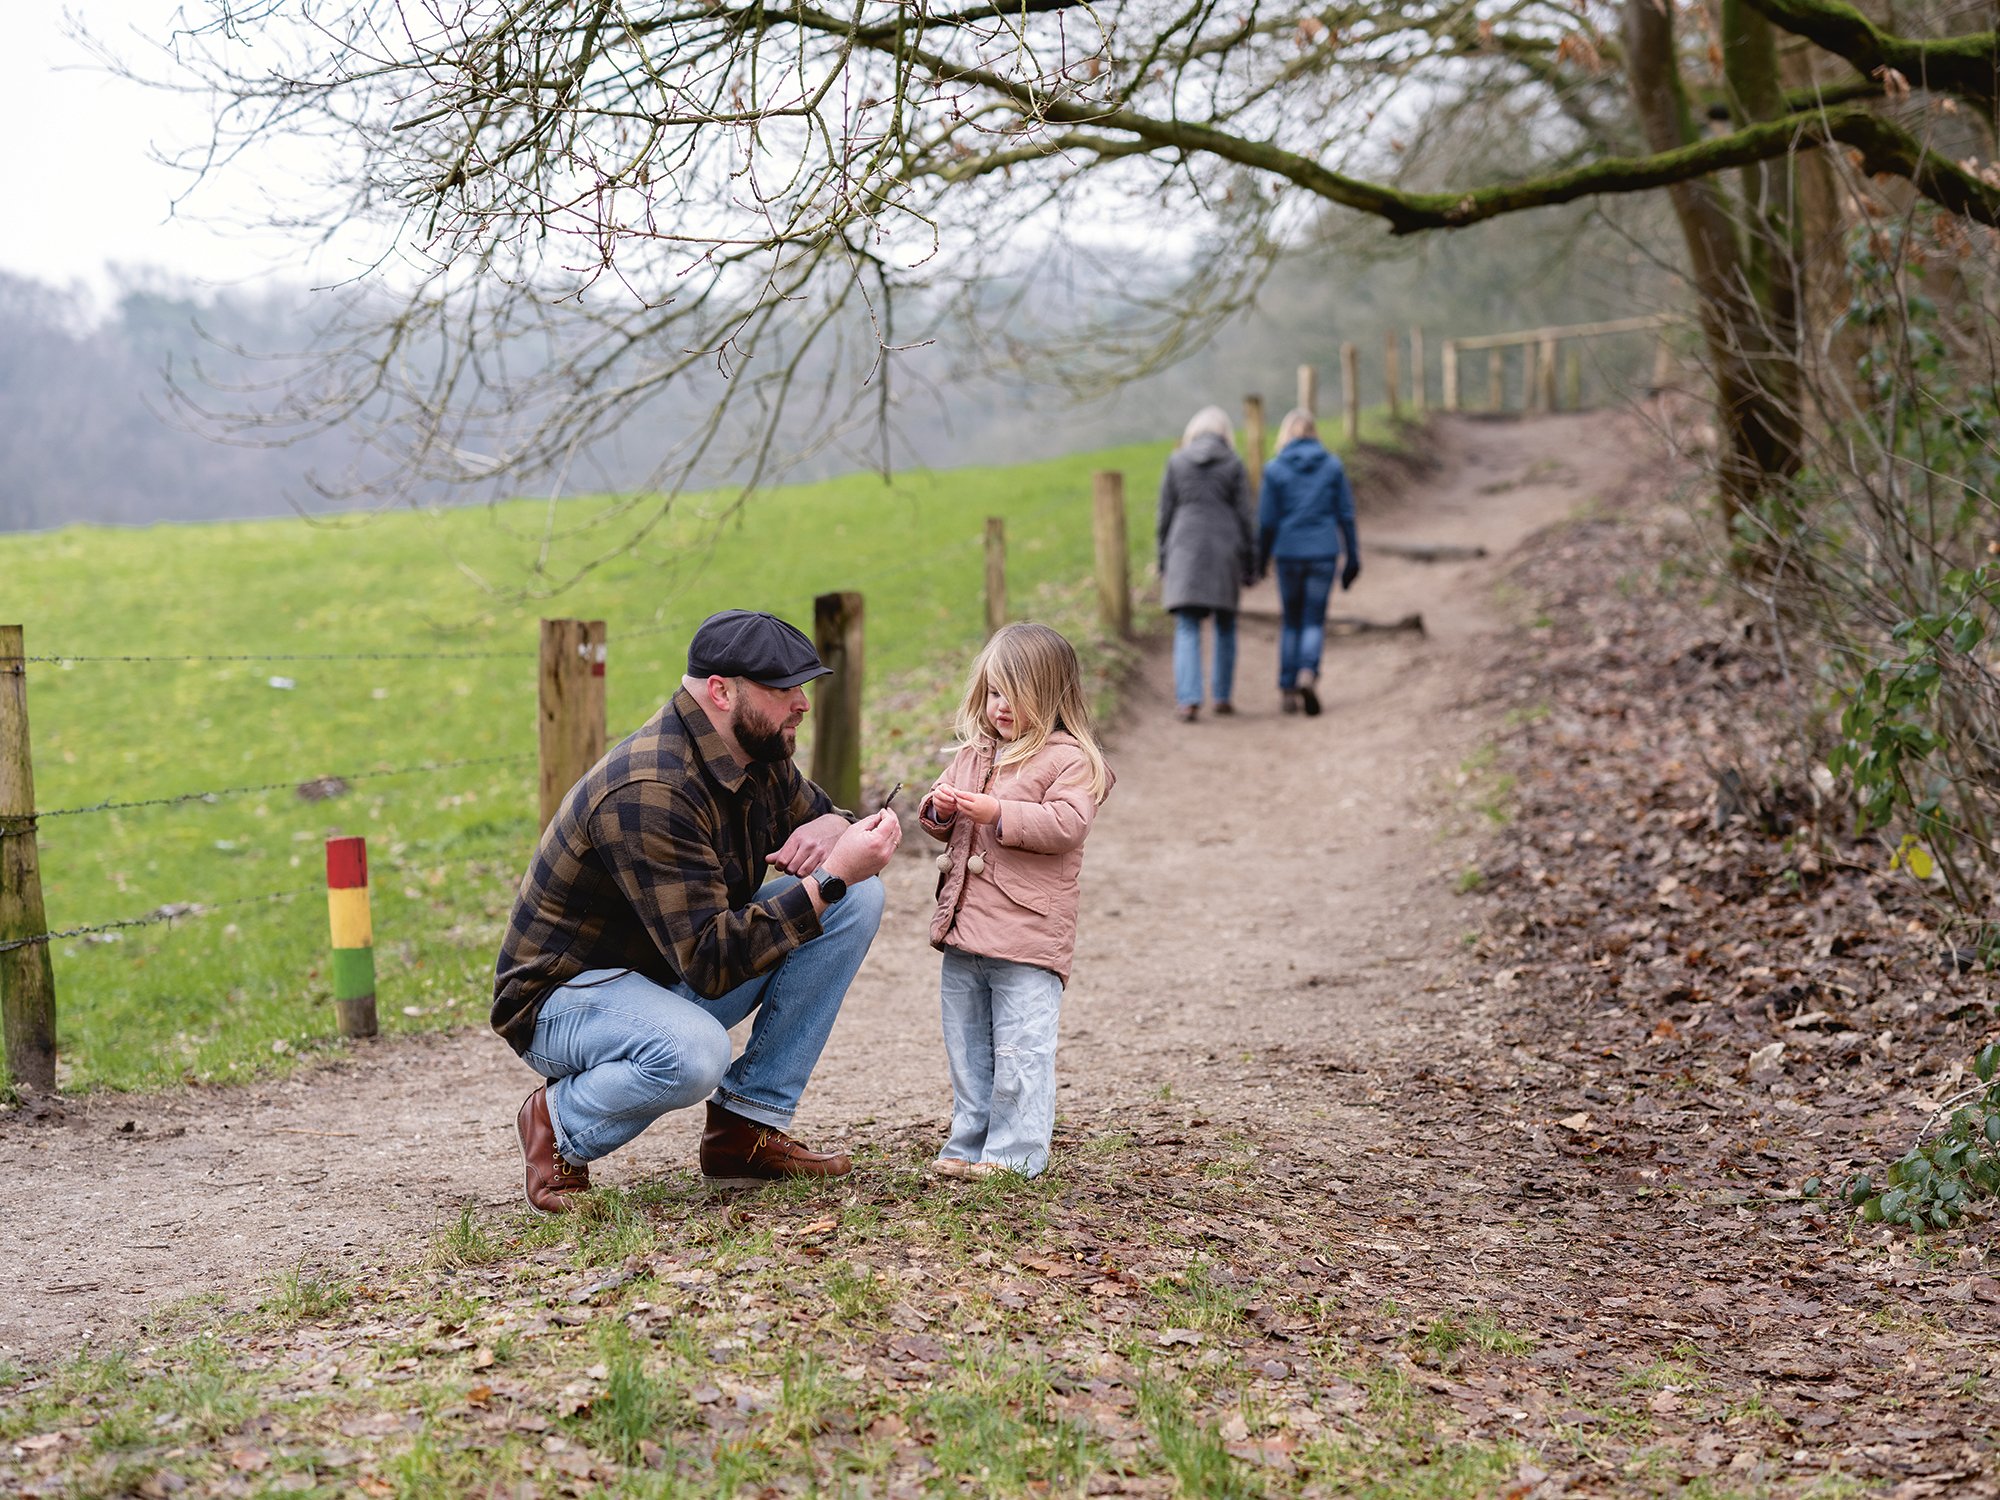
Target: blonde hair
pixel 1210 421
pixel 1298 423
pixel 1037 669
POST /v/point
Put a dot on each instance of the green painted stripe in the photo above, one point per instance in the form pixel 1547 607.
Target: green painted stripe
pixel 353 973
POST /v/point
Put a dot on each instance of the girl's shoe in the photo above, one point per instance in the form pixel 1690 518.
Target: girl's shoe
pixel 1187 713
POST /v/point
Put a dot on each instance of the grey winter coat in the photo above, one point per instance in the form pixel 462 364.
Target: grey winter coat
pixel 1208 544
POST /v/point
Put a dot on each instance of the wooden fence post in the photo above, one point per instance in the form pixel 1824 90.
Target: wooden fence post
pixel 1350 390
pixel 1448 355
pixel 1114 582
pixel 1392 372
pixel 570 710
pixel 27 974
pixel 1545 398
pixel 1496 379
pixel 1253 443
pixel 353 930
pixel 837 634
pixel 996 573
pixel 1420 394
pixel 1663 364
pixel 1573 378
pixel 1309 390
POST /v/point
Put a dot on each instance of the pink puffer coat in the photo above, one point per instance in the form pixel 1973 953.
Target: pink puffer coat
pixel 1021 902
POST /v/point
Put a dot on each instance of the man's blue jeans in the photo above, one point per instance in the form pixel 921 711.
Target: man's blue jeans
pixel 1187 654
pixel 1000 1040
pixel 620 1051
pixel 1304 585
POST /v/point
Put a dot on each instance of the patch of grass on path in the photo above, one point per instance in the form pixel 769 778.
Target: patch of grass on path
pixel 1096 1331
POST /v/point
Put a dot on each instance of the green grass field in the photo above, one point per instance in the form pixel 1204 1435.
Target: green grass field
pixel 240 987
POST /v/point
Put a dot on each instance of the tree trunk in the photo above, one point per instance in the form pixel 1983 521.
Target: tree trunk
pixel 1825 286
pixel 1748 290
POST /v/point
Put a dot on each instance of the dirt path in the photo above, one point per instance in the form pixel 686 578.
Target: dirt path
pixel 1256 885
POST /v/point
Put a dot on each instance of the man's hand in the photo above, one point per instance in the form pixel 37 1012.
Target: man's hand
pixel 863 849
pixel 1351 572
pixel 979 807
pixel 806 850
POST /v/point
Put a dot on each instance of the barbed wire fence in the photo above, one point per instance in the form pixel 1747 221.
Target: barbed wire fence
pixel 571 669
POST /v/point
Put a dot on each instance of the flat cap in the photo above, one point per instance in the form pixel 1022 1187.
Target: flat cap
pixel 761 647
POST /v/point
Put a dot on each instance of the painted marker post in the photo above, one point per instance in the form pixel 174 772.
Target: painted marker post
pixel 353 935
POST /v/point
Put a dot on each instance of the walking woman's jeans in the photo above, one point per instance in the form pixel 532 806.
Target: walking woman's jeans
pixel 1304 585
pixel 620 1051
pixel 1000 1039
pixel 1187 654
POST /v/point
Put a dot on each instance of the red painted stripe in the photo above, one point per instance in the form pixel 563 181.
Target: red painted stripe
pixel 597 669
pixel 346 863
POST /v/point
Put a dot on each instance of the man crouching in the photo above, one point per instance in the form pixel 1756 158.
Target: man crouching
pixel 645 927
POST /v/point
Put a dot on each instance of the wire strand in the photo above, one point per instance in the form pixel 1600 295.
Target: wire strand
pixel 13 825
pixel 971 541
pixel 304 656
pixel 172 912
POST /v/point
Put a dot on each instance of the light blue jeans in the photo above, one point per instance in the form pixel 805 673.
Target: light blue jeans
pixel 1187 654
pixel 620 1050
pixel 1304 585
pixel 1000 1039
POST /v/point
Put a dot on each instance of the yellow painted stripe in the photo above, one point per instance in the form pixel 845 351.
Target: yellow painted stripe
pixel 348 910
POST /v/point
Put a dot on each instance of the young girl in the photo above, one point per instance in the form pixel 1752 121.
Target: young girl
pixel 1013 809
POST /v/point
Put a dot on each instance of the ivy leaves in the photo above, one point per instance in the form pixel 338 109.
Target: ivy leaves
pixel 1938 1180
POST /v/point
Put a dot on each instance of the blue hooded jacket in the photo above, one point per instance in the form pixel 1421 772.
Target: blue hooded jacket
pixel 1308 507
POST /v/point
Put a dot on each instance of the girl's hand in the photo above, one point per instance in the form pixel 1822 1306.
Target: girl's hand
pixel 979 807
pixel 944 802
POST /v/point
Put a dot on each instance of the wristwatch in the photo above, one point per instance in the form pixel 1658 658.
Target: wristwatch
pixel 831 886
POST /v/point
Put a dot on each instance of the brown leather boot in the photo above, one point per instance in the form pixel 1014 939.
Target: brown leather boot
pixel 736 1149
pixel 553 1181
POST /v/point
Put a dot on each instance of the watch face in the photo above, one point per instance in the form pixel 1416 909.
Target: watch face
pixel 831 887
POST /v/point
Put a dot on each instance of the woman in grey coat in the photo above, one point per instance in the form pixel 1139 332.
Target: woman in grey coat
pixel 1208 547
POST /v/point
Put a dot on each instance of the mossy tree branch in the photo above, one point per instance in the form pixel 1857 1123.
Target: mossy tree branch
pixel 1968 65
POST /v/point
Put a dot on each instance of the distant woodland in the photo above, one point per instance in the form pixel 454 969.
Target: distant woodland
pixel 115 410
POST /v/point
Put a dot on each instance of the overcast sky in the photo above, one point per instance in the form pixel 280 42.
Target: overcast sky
pixel 82 190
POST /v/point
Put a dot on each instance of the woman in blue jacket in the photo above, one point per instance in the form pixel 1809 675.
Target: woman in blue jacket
pixel 1306 525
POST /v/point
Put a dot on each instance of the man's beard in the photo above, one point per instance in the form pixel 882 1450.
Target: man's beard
pixel 762 739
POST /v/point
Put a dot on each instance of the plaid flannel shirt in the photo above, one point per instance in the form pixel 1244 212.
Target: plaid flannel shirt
pixel 653 864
